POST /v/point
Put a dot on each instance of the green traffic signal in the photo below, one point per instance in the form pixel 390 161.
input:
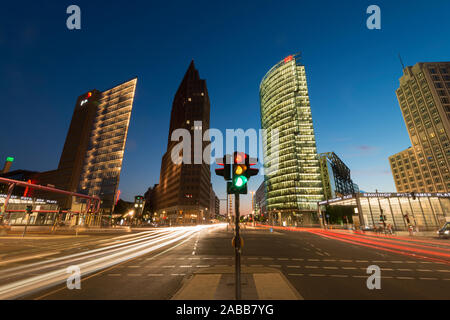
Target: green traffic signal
pixel 240 181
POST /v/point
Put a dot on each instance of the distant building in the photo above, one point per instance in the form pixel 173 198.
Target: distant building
pixel 293 184
pixel 183 193
pixel 217 206
pixel 335 176
pixel 424 99
pixel 259 203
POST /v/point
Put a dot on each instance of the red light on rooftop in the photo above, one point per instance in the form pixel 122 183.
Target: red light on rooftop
pixel 89 94
pixel 288 58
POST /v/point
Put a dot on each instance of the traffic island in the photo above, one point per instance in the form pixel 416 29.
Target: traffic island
pixel 257 283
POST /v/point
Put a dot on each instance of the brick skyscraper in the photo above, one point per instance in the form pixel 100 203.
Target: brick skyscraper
pixel 183 193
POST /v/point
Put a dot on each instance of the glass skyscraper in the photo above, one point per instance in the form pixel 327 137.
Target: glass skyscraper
pixel 291 165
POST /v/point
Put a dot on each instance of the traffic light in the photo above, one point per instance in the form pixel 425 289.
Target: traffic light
pixel 242 171
pixel 29 209
pixel 225 171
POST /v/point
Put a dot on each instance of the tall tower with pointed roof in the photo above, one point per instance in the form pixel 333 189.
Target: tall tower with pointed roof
pixel 183 193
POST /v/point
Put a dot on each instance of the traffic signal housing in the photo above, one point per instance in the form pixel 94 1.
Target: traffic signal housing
pixel 242 171
pixel 225 170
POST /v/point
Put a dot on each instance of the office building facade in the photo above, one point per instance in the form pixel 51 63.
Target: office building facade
pixel 293 185
pixel 91 160
pixel 183 192
pixel 424 99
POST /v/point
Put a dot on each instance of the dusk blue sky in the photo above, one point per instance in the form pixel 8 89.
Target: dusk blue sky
pixel 352 73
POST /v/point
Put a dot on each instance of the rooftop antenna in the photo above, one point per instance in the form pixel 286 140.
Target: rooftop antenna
pixel 401 61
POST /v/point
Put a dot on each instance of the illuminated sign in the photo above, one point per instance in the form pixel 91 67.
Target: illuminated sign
pixel 9 159
pixel 287 59
pixel 89 94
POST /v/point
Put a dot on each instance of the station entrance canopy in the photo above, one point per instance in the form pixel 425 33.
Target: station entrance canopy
pixel 427 211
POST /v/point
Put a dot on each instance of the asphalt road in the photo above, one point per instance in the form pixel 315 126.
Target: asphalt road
pixel 319 264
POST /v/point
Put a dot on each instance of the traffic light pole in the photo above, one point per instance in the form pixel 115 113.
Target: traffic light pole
pixel 237 249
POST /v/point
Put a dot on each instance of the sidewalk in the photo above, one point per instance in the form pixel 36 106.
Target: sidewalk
pixel 257 283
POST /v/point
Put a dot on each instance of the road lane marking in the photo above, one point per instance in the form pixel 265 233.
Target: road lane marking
pixel 178 274
pixel 282 259
pixel 134 275
pixel 349 268
pixel 316 275
pixel 428 278
pixel 339 275
pixel 114 274
pixel 293 266
pixel 295 274
pixel 298 259
pixel 203 266
pixel 404 278
pixel 362 261
pixel 155 275
pixel 330 267
pixel 185 266
pixel 311 267
pixel 275 265
pixel 168 266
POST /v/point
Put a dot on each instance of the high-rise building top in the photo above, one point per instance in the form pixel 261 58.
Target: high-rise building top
pixel 424 98
pixel 293 182
pixel 183 193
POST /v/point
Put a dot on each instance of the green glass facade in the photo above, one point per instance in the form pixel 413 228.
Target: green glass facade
pixel 291 166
